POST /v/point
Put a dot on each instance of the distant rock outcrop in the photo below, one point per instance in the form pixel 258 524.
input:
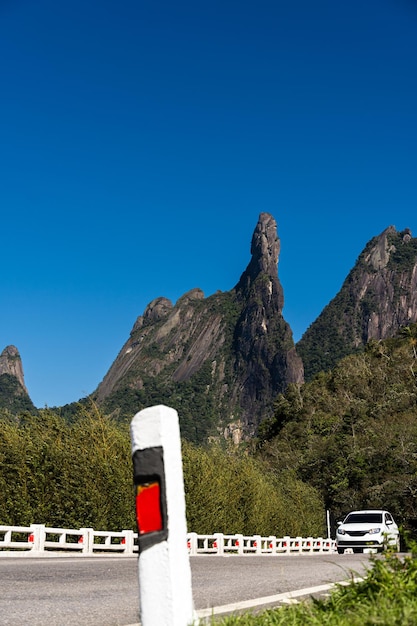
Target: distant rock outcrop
pixel 220 361
pixel 14 396
pixel 378 297
pixel 11 363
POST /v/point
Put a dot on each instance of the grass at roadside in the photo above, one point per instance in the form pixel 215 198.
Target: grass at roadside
pixel 387 596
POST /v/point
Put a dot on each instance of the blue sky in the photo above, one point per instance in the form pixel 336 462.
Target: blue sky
pixel 140 140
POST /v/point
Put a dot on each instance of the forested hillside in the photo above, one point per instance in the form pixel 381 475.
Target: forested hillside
pixel 352 432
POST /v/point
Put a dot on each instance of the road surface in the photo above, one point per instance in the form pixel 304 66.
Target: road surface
pixel 101 590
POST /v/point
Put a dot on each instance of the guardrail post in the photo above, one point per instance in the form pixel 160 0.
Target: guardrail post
pixel 128 542
pixel 164 566
pixel 239 543
pixel 38 536
pixel 87 540
pixel 219 539
pixel 192 543
pixel 272 544
pixel 257 542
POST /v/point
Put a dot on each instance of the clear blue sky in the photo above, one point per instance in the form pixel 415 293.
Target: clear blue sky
pixel 140 140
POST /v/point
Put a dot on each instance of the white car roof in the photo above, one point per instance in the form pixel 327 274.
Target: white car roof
pixel 369 511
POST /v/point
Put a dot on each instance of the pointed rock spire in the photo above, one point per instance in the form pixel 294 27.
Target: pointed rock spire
pixel 265 246
pixel 265 249
pixel 220 360
pixel 11 363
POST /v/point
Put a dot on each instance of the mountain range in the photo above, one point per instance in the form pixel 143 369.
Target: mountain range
pixel 222 360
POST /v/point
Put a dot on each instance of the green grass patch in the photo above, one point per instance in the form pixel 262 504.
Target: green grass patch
pixel 387 596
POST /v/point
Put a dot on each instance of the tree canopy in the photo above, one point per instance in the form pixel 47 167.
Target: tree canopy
pixel 352 432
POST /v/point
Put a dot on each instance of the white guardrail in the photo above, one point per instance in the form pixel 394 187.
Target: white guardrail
pixel 37 539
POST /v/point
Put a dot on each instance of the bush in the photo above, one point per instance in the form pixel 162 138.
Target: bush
pixel 231 493
pixel 387 596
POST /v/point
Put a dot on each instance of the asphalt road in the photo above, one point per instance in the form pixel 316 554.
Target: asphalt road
pixel 83 591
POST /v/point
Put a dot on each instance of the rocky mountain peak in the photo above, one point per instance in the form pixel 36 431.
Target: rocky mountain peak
pixel 263 341
pixel 155 311
pixel 265 249
pixel 378 297
pixel 379 255
pixel 387 247
pixel 11 363
pixel 219 360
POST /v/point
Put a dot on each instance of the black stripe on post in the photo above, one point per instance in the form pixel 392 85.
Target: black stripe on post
pixel 150 495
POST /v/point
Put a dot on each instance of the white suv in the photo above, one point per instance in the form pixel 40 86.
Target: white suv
pixel 367 529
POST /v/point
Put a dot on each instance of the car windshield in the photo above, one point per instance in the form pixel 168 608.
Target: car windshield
pixel 363 518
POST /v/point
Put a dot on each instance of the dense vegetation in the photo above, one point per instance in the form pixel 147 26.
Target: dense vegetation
pixel 13 397
pixel 352 431
pixel 65 475
pixel 386 596
pixel 345 440
pixel 185 396
pixel 79 473
pixel 235 493
pixel 404 257
pixel 330 338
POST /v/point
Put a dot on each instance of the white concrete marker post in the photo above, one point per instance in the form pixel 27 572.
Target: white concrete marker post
pixel 165 589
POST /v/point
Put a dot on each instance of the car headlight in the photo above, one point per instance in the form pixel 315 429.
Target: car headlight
pixel 374 531
pixel 340 531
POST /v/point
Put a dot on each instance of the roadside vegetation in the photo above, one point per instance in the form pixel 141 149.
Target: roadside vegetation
pixel 346 440
pixel 352 431
pixel 387 596
pixel 79 473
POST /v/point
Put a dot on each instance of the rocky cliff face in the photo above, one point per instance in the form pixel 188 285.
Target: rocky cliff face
pixel 13 393
pixel 264 353
pixel 220 361
pixel 11 363
pixel 377 298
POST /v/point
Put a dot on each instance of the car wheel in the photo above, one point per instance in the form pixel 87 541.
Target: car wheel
pixel 341 550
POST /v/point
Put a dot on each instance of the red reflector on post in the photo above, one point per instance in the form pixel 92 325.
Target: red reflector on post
pixel 148 508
